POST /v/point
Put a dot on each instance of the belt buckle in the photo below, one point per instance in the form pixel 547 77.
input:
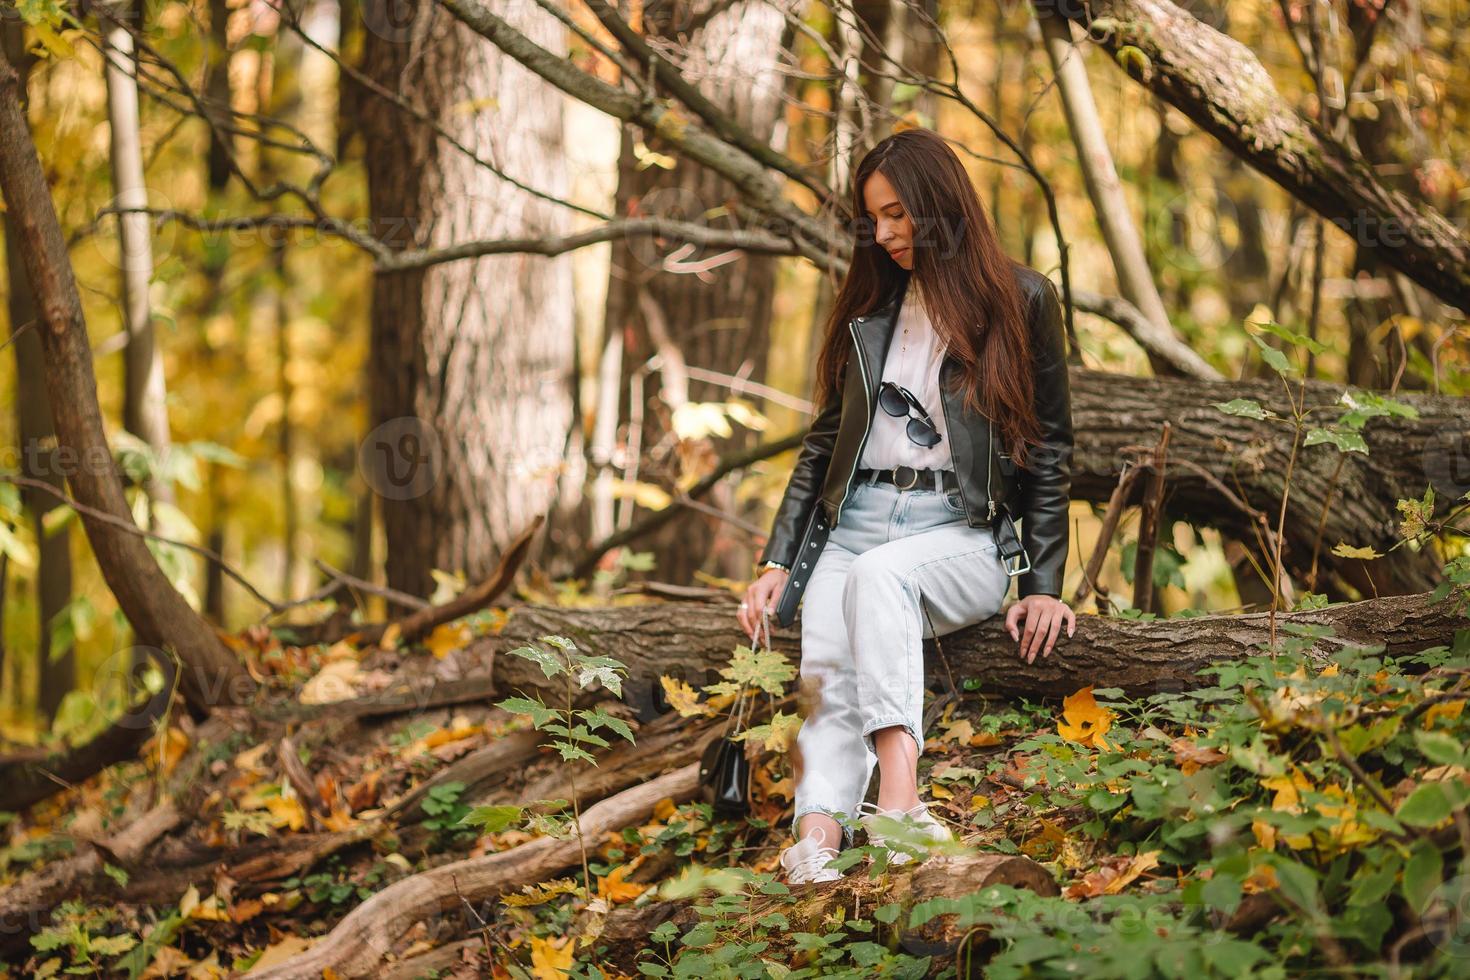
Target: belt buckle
pixel 912 483
pixel 1012 571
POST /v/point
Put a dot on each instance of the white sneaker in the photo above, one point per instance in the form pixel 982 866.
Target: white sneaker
pixel 917 816
pixel 806 860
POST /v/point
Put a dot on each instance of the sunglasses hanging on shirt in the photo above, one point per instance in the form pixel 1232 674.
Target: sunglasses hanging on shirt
pixel 898 401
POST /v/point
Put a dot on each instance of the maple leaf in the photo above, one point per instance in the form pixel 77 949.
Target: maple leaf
pixel 446 638
pixel 1189 756
pixel 683 698
pixel 1085 721
pixel 613 888
pixel 550 961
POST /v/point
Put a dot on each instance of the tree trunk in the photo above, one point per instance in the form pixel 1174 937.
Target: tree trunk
pixel 472 361
pixel 145 398
pixel 159 615
pixel 1109 204
pixel 717 322
pixel 691 641
pixel 56 669
pixel 1221 85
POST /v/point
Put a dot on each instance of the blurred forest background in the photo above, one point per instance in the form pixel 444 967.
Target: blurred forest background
pixel 295 374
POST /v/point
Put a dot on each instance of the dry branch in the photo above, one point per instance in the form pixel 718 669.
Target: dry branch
pixel 359 944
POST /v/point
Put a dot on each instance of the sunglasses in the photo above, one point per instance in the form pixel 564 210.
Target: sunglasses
pixel 898 401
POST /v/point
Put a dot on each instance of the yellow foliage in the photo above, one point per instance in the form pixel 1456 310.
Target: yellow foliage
pixel 1084 721
pixel 683 698
pixel 615 889
pixel 551 960
pixel 447 638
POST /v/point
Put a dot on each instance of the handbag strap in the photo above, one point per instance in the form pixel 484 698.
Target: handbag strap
pixel 761 641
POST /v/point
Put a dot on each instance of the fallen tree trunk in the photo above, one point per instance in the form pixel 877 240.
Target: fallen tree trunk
pixel 1226 471
pixel 625 930
pixel 1208 450
pixel 361 941
pixel 692 640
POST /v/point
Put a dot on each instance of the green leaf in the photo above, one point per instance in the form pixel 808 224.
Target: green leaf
pixel 1273 357
pixel 1441 748
pixel 492 819
pixel 1244 407
pixel 1298 882
pixel 1426 806
pixel 1292 337
pixel 1345 440
pixel 1422 875
pixel 597 718
pixel 540 713
pixel 550 663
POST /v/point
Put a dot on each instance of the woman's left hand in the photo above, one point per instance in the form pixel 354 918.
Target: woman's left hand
pixel 1043 616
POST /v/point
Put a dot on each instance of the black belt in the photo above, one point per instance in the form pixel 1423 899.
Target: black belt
pixel 911 478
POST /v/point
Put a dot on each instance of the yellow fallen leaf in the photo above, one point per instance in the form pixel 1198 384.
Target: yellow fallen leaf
pixel 551 961
pixel 1445 709
pixel 336 681
pixel 615 889
pixel 1146 861
pixel 447 638
pixel 286 812
pixel 535 894
pixel 1084 720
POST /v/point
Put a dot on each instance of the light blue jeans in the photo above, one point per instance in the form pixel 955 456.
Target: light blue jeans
pixel 901 565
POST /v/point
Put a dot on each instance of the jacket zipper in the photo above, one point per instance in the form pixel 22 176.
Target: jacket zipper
pixel 949 426
pixel 989 454
pixel 857 349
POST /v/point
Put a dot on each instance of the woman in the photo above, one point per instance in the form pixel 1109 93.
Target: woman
pixel 945 412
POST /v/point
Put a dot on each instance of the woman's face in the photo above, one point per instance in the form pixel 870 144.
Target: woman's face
pixel 892 229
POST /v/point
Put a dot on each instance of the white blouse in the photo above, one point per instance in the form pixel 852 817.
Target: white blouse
pixel 914 357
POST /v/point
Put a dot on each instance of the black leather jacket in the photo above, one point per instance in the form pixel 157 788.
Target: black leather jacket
pixel 1037 496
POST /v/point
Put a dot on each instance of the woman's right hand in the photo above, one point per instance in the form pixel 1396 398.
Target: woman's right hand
pixel 761 594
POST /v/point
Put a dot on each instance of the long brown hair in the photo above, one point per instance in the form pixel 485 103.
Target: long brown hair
pixel 969 284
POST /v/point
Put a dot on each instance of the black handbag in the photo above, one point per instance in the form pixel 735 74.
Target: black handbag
pixel 724 771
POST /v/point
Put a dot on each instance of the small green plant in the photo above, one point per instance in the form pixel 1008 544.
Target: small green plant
pixel 81 934
pixel 444 809
pixel 1345 434
pixel 574 728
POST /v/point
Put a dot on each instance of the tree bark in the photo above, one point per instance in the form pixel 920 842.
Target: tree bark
pixel 1221 85
pixel 35 436
pixel 159 616
pixel 472 361
pixel 691 641
pixel 1111 413
pixel 145 399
